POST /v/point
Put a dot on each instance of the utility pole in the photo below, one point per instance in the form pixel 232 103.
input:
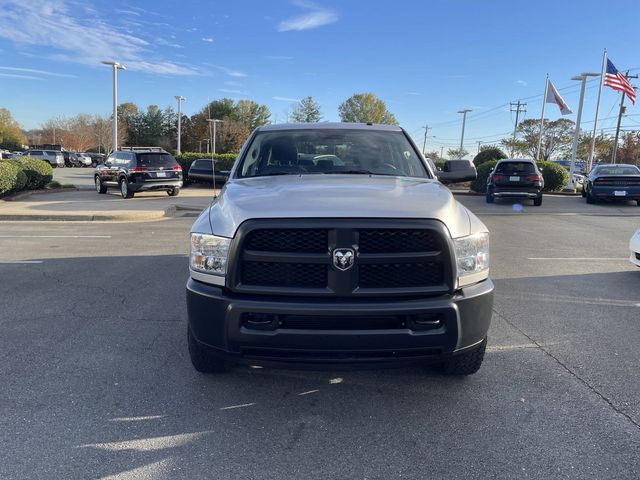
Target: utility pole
pixel 479 143
pixel 441 152
pixel 519 107
pixel 464 121
pixel 424 144
pixel 620 113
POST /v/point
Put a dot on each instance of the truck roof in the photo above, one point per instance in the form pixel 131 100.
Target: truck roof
pixel 329 126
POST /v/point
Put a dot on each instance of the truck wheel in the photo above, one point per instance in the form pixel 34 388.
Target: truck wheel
pixel 466 363
pixel 537 201
pixel 124 189
pixel 203 361
pixel 100 188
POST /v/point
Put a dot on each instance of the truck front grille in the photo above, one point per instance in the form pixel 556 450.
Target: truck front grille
pixel 310 275
pixel 390 258
pixel 399 275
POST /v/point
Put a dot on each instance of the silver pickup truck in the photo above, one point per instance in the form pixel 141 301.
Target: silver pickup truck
pixel 335 243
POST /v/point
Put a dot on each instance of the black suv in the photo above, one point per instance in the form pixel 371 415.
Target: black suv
pixel 136 169
pixel 519 178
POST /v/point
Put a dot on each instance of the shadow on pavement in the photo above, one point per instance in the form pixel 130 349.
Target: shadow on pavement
pixel 97 384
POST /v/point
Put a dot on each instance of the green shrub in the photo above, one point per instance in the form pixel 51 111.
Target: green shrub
pixel 555 176
pixel 53 185
pixel 225 160
pixel 38 172
pixel 480 183
pixel 487 154
pixel 12 178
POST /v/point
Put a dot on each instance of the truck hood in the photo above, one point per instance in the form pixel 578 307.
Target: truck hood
pixel 335 196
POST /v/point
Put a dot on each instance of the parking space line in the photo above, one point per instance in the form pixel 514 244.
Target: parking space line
pixel 19 262
pixel 55 236
pixel 600 259
pixel 238 406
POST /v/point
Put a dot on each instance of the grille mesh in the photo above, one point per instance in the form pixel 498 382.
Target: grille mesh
pixel 398 275
pixel 398 241
pixel 304 275
pixel 288 240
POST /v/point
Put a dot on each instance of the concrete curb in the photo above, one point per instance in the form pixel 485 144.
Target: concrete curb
pixel 28 193
pixel 90 217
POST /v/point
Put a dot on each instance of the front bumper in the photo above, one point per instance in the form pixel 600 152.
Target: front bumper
pixel 217 319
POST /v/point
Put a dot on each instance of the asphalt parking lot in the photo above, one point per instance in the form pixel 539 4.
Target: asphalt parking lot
pixel 97 383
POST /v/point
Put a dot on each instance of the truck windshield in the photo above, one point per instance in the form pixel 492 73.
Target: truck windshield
pixel 327 151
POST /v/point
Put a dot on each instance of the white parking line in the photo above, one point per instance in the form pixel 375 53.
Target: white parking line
pixel 19 262
pixel 238 406
pixel 55 236
pixel 580 259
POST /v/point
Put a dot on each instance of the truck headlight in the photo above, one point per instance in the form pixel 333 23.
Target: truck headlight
pixel 472 258
pixel 209 253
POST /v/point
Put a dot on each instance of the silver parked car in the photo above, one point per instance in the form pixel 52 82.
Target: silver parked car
pixel 54 157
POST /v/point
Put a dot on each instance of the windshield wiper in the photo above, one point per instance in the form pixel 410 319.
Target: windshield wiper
pixel 362 172
pixel 269 174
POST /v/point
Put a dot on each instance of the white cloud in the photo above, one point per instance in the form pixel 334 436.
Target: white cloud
pixel 25 77
pixel 316 17
pixel 286 99
pixel 233 83
pixel 52 24
pixel 521 83
pixel 40 72
pixel 233 91
pixel 413 93
pixel 229 71
pixel 207 39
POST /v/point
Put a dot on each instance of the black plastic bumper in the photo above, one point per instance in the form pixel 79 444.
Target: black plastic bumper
pixel 217 319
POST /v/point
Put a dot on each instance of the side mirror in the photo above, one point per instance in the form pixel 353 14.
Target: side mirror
pixel 456 171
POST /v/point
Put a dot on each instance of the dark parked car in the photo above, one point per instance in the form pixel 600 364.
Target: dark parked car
pixel 201 171
pixel 517 178
pixel 619 182
pixel 139 169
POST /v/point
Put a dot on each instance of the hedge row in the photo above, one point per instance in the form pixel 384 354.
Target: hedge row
pixel 555 176
pixel 24 173
pixel 225 160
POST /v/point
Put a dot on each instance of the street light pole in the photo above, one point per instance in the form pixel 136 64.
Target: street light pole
pixel 213 135
pixel 115 66
pixel 180 99
pixel 464 121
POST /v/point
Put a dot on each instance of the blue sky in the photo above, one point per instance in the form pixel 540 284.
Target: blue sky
pixel 425 59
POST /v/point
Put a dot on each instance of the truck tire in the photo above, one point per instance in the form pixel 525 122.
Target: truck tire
pixel 202 359
pixel 466 363
pixel 537 201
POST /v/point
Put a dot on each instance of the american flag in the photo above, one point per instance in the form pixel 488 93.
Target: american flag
pixel 616 80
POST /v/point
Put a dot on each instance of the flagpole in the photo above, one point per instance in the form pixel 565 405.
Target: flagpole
pixel 544 102
pixel 595 122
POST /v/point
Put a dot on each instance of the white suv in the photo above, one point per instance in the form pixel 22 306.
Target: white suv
pixel 55 158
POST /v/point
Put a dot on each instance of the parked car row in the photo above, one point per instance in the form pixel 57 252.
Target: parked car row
pixel 74 159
